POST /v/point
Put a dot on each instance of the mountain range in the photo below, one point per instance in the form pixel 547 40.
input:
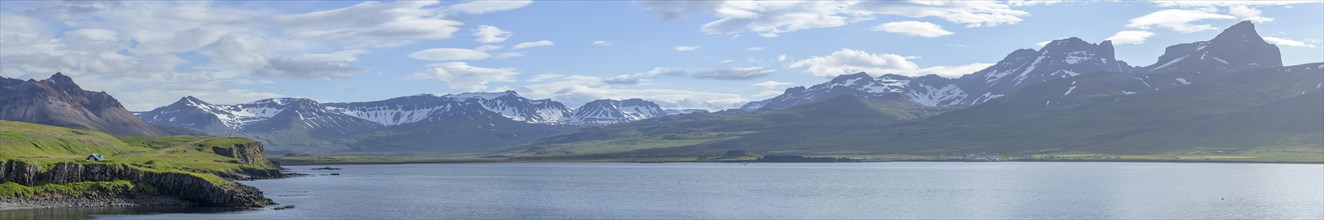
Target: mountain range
pixel 430 123
pixel 1228 93
pixel 1070 96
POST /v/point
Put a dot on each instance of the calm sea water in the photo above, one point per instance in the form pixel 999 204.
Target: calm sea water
pixel 787 191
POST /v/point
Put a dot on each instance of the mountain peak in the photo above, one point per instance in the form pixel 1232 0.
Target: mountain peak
pixel 190 100
pixel 853 76
pixel 63 80
pixel 482 95
pixel 1243 31
pixel 1237 47
pixel 1066 42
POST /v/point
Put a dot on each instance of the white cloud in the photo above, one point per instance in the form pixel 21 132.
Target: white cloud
pixel 727 73
pixel 336 65
pixel 1043 43
pixel 575 90
pixel 540 43
pixel 370 24
pixel 1032 2
pixel 486 6
pixel 1130 37
pixel 772 18
pixel 1179 20
pixel 1244 10
pixel 490 34
pixel 205 49
pixel 771 84
pixel 754 49
pixel 508 55
pixel 1247 13
pixel 848 61
pixel 449 54
pixel 733 73
pixel 951 71
pixel 489 47
pixel 1287 42
pixel 461 77
pixel 603 43
pixel 913 28
pixel 686 48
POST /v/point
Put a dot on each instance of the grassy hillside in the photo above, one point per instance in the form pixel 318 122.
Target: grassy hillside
pixel 45 146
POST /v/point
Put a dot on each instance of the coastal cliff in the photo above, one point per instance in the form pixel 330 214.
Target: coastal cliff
pixel 189 187
pixel 45 167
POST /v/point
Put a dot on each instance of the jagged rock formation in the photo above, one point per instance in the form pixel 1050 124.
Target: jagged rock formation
pixel 1236 48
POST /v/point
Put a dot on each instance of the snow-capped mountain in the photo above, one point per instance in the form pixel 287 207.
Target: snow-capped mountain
pixel 261 115
pixel 1236 48
pixel 353 116
pixel 1058 59
pixel 606 111
pixel 864 85
pixel 513 106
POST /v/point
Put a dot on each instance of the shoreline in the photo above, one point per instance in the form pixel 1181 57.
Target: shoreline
pixel 89 202
pixel 681 161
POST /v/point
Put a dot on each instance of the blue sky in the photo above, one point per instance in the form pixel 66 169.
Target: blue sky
pixel 681 54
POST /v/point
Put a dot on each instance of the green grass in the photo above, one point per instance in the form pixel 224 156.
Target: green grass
pixel 43 146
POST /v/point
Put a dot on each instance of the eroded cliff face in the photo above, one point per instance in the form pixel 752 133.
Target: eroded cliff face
pixel 186 186
pixel 250 153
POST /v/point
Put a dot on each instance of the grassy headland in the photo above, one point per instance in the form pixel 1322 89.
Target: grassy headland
pixel 48 164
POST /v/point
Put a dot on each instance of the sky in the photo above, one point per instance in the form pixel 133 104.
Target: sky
pixel 680 54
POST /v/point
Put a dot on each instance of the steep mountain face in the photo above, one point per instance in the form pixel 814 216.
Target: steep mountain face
pixel 306 114
pixel 1058 59
pixel 59 101
pixel 1236 48
pixel 468 128
pixel 606 111
pixel 511 105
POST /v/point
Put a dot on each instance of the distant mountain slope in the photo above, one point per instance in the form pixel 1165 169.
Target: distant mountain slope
pixel 1112 123
pixel 1058 59
pixel 60 102
pixel 468 130
pixel 720 131
pixel 1242 105
pixel 456 123
pixel 606 111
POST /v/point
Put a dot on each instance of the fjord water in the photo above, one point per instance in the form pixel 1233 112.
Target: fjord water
pixel 798 191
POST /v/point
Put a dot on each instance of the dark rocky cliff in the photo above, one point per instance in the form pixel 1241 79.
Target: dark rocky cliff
pixel 186 186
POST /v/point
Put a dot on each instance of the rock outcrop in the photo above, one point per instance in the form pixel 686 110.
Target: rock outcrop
pixel 190 187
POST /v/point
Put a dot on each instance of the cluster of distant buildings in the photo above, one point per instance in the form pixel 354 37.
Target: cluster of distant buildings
pixel 993 157
pixel 980 157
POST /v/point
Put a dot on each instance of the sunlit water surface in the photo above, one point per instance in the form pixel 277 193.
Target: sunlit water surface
pixel 910 190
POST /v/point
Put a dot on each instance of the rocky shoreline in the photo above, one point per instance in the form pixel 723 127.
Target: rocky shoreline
pixel 96 201
pixel 172 188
